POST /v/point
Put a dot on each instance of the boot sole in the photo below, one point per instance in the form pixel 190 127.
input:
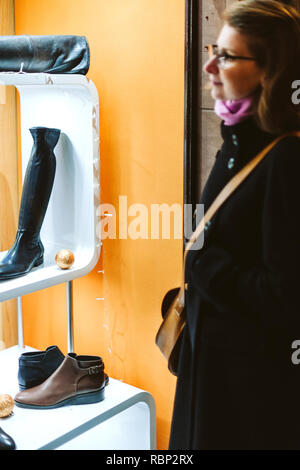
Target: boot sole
pixel 37 263
pixel 82 399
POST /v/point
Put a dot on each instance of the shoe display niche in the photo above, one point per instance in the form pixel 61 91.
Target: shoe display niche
pixel 62 112
pixel 86 416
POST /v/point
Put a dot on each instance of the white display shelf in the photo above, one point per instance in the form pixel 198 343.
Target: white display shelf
pixel 124 420
pixel 69 103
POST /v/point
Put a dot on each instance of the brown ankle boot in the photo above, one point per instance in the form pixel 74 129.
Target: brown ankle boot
pixel 77 381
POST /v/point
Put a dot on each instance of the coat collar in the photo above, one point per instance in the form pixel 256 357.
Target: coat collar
pixel 245 139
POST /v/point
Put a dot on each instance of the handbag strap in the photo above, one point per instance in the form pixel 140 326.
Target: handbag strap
pixel 228 189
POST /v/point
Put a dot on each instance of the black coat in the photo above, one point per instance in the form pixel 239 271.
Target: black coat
pixel 238 387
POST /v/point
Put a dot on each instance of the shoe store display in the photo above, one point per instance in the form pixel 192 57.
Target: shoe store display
pixel 58 156
pixel 36 366
pixel 6 442
pixel 80 379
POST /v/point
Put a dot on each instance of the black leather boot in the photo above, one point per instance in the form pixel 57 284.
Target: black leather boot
pixel 36 366
pixel 27 251
pixel 6 442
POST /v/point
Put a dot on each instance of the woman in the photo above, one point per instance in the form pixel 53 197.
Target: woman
pixel 238 386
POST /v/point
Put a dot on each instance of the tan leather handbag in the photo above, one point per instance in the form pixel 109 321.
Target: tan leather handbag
pixel 174 321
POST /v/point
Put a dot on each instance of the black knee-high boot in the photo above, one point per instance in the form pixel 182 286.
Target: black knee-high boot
pixel 27 251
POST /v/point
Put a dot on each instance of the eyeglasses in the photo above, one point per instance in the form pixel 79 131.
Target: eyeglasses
pixel 224 59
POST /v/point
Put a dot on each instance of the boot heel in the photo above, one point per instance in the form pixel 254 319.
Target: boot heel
pixel 86 398
pixel 39 261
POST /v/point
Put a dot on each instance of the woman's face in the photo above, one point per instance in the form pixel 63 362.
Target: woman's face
pixel 239 78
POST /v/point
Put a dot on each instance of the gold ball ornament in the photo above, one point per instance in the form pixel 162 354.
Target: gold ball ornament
pixel 64 259
pixel 6 405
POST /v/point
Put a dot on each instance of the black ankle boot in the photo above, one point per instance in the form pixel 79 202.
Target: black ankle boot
pixel 27 251
pixel 36 366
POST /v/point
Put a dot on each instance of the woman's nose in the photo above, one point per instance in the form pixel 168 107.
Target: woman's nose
pixel 211 66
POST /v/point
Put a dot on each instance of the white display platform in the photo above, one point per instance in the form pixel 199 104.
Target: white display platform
pixel 124 420
pixel 69 103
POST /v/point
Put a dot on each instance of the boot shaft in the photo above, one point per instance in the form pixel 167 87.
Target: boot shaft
pixel 39 179
pixel 45 136
pixel 87 371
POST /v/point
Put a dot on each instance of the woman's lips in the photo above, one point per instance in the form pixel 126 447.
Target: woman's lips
pixel 212 83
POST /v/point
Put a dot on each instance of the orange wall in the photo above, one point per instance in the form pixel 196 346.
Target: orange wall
pixel 137 65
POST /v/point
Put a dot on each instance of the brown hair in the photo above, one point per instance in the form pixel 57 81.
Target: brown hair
pixel 273 36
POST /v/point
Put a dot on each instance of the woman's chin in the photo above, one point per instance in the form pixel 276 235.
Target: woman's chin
pixel 217 94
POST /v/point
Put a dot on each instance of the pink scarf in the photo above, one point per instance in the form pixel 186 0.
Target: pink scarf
pixel 233 111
